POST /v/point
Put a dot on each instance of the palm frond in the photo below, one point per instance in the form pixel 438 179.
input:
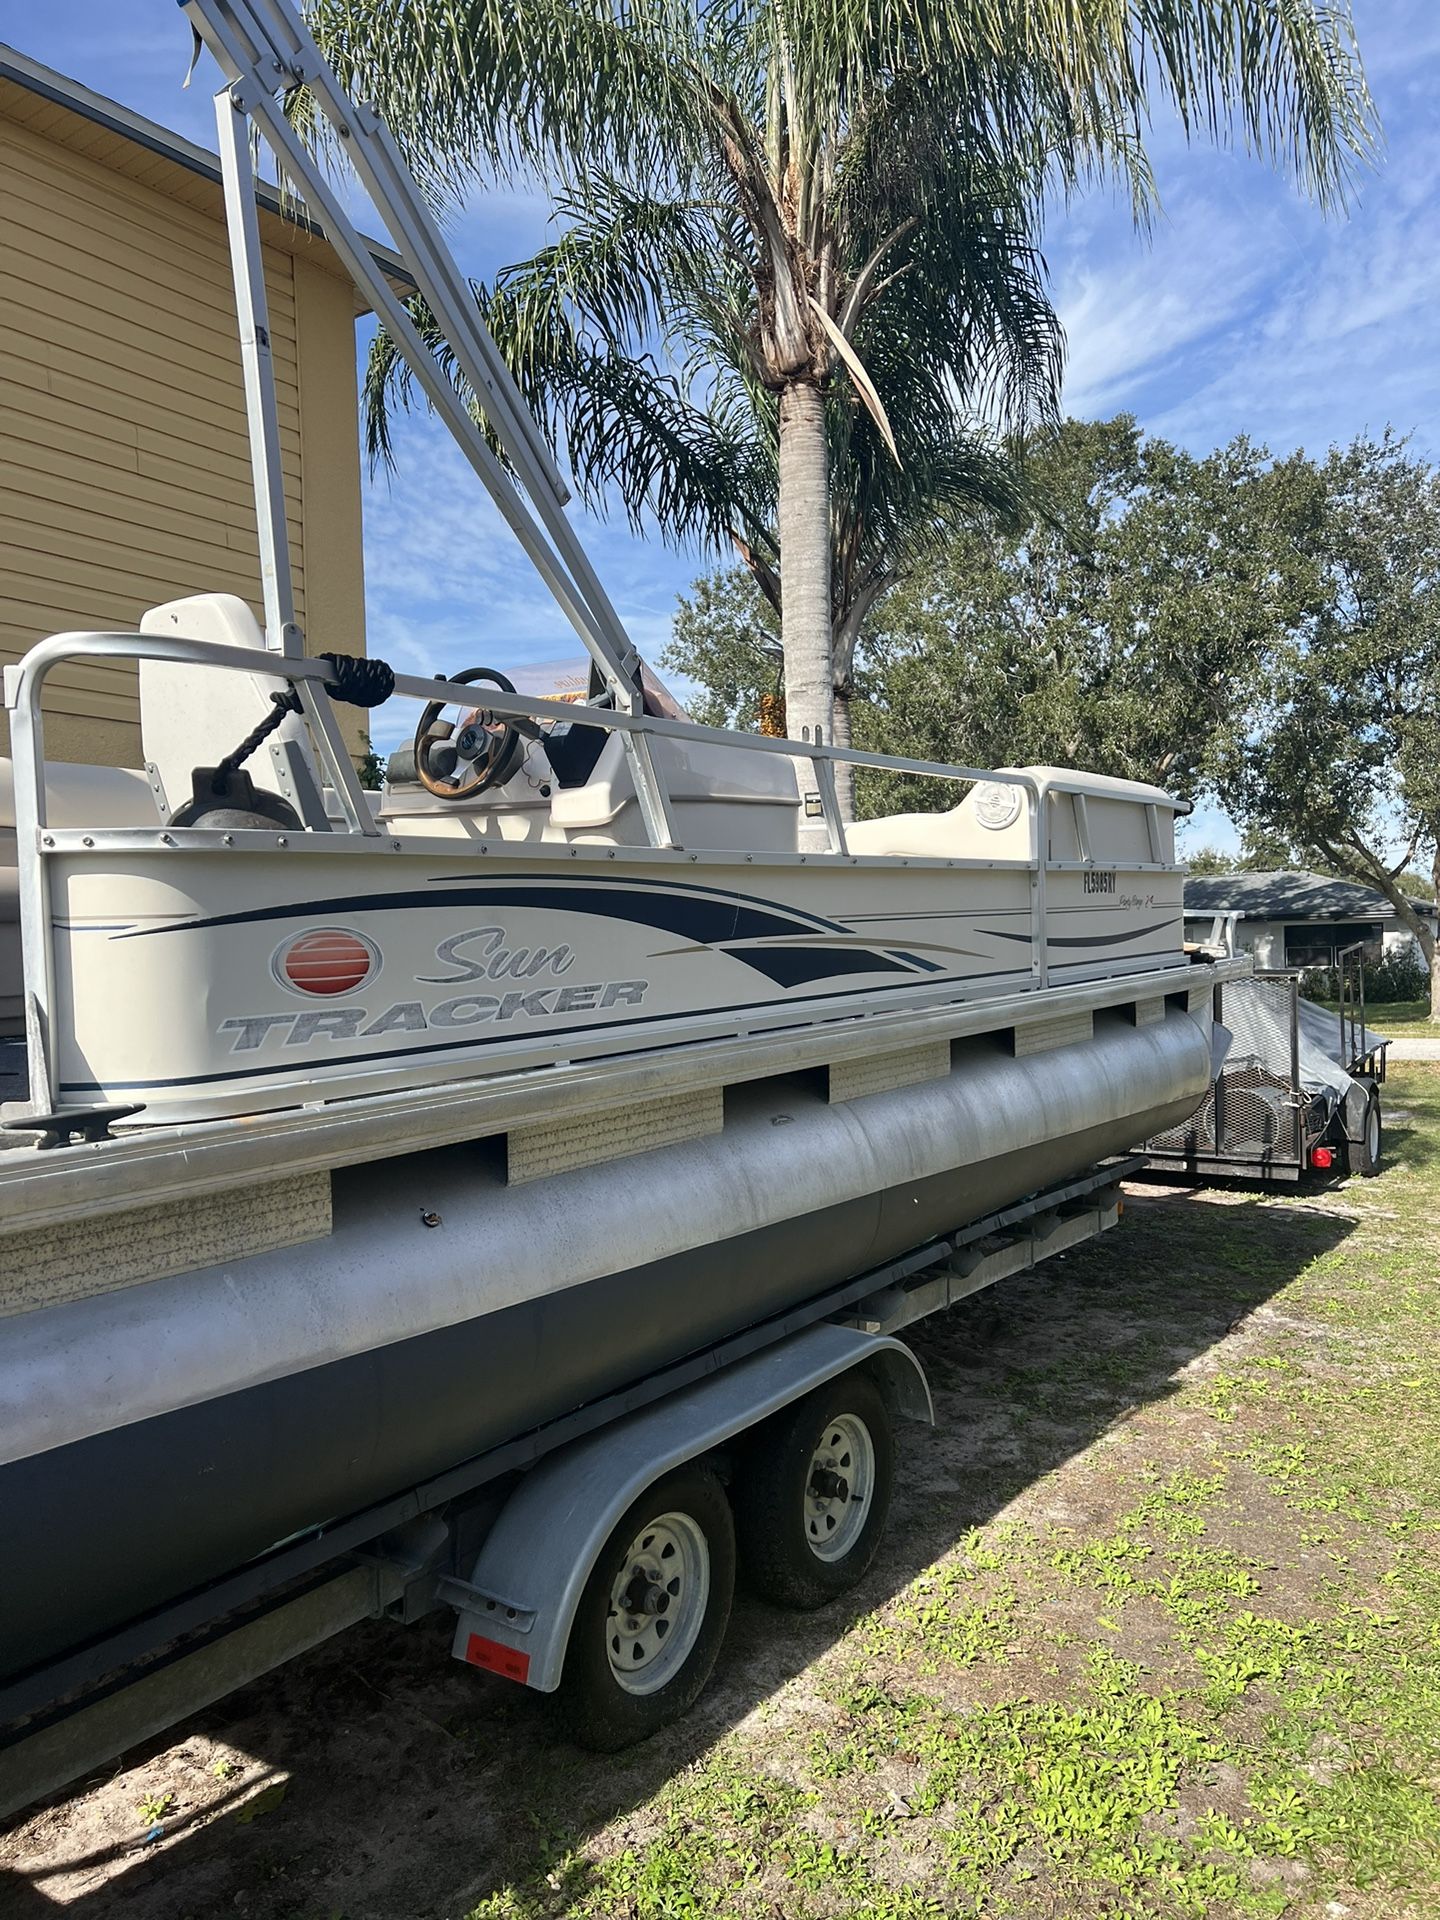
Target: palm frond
pixel 500 87
pixel 628 430
pixel 740 181
pixel 1283 78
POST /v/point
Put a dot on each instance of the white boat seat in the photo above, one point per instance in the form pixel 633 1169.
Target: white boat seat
pixel 922 836
pixel 192 716
pixel 1124 823
pixel 78 795
pixel 721 797
pixel 75 796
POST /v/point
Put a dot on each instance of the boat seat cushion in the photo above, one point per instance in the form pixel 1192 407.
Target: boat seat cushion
pixel 925 836
pixel 78 795
pixel 192 716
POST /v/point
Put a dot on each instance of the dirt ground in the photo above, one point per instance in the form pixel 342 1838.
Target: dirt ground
pixel 1155 1632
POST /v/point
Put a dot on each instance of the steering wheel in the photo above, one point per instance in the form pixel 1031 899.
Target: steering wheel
pixel 455 760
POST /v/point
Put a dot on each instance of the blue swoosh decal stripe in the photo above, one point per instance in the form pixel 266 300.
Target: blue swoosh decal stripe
pixel 707 919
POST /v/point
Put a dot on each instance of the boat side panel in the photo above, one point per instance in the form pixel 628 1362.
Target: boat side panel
pixel 199 981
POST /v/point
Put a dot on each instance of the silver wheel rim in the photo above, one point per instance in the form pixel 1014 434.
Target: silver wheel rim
pixel 658 1603
pixel 1372 1133
pixel 839 1486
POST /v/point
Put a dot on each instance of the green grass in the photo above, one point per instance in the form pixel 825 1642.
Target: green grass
pixel 1403 1020
pixel 1191 1671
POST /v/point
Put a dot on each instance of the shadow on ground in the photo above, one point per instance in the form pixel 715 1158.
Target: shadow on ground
pixel 414 1786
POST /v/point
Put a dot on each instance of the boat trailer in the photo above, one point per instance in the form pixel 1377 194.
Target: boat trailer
pixel 509 1540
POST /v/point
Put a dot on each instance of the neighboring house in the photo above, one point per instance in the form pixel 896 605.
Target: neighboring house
pixel 1298 919
pixel 124 465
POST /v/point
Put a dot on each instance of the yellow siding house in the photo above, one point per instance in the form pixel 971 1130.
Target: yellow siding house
pixel 124 471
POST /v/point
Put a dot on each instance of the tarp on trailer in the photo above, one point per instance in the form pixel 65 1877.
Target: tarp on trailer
pixel 1257 1013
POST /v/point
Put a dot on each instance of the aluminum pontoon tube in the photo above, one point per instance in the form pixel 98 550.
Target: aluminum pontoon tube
pixel 162 1434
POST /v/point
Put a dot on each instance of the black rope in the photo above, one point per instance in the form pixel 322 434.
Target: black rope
pixel 280 705
pixel 358 682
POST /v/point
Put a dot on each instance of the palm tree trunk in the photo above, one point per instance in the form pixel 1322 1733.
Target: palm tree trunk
pixel 804 527
pixel 844 637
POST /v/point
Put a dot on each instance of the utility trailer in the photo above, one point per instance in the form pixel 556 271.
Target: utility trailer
pixel 617 1528
pixel 1297 1093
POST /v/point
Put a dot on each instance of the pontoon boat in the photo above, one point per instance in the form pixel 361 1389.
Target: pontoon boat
pixel 363 1132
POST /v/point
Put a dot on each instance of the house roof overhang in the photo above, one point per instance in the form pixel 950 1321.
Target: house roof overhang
pixel 1292 896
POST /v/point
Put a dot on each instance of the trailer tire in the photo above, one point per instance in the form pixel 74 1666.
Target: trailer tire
pixel 627 1674
pixel 1366 1151
pixel 801 1544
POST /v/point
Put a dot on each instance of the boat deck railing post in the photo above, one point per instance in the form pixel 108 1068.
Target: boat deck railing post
pixel 27 751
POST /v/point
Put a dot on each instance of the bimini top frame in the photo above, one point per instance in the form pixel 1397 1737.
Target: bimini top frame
pixel 265 50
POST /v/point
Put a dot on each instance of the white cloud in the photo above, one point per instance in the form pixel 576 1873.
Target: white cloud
pixel 1345 344
pixel 1249 311
pixel 1137 315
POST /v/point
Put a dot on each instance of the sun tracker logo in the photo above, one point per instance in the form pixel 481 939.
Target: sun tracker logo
pixel 326 961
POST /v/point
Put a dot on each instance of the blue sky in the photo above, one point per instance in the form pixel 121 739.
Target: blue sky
pixel 1244 311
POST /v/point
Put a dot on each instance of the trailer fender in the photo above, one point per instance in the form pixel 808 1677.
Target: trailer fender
pixel 1355 1107
pixel 517 1607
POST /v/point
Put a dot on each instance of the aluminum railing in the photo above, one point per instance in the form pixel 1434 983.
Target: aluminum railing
pixel 25 681
pixel 24 684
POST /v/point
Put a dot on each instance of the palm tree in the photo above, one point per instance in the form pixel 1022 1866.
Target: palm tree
pixel 698 458
pixel 787 196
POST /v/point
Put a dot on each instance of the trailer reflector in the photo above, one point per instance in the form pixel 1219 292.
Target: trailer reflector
pixel 509 1662
pixel 1322 1157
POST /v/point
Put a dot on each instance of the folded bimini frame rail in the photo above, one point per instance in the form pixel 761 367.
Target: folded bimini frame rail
pixel 265 52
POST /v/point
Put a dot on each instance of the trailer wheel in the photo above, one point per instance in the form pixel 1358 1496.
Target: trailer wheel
pixel 811 1505
pixel 652 1616
pixel 1365 1152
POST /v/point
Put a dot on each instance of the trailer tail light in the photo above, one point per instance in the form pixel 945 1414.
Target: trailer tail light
pixel 1322 1158
pixel 509 1662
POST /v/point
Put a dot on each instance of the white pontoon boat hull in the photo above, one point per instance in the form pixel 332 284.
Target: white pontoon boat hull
pixel 198 983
